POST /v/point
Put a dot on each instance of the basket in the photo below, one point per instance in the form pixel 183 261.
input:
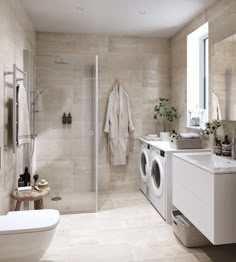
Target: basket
pixel 187 233
pixel 186 143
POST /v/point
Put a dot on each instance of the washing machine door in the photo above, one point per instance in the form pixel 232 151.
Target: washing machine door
pixel 157 176
pixel 144 164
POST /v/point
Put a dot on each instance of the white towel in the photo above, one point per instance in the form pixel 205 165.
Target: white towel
pixel 183 220
pixel 152 138
pixel 189 135
pixel 216 112
pixel 23 117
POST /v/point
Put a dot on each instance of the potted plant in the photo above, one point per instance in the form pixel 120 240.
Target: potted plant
pixel 167 113
pixel 211 129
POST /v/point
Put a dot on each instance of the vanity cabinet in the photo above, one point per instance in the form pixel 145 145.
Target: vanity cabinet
pixel 206 199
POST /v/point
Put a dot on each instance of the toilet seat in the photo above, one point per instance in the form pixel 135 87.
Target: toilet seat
pixel 20 222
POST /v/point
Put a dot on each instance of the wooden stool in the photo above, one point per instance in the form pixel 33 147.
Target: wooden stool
pixel 35 196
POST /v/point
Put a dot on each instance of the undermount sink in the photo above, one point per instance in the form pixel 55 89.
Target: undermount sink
pixel 210 162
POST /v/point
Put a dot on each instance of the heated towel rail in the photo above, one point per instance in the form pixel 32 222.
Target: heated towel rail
pixel 14 73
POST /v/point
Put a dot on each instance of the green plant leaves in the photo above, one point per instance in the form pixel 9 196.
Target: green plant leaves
pixel 165 111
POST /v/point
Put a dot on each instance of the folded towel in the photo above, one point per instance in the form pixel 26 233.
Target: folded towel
pixel 152 135
pixel 152 138
pixel 183 220
pixel 23 117
pixel 189 135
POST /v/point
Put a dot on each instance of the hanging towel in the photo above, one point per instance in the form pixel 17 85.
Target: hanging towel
pixel 23 117
pixel 118 125
pixel 216 112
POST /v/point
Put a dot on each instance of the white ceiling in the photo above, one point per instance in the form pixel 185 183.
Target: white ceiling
pixel 163 18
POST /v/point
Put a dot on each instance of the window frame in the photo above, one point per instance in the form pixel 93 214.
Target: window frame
pixel 204 69
pixel 198 76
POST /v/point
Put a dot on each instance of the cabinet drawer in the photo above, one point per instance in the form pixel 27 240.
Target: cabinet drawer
pixel 199 182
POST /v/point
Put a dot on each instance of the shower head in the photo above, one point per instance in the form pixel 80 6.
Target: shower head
pixel 61 61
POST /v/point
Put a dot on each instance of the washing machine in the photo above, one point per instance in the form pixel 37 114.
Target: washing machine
pixel 144 165
pixel 159 182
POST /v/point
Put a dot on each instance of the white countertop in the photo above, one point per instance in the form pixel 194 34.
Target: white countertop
pixel 210 162
pixel 165 146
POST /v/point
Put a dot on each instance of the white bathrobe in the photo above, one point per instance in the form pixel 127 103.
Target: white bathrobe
pixel 118 125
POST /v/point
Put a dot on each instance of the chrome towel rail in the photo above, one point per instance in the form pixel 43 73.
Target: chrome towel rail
pixel 15 105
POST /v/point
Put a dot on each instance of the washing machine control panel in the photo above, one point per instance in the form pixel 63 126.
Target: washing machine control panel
pixel 162 153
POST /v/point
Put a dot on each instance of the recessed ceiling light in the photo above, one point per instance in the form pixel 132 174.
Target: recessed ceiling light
pixel 142 12
pixel 79 8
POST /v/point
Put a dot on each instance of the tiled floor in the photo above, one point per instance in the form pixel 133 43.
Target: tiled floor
pixel 72 202
pixel 127 229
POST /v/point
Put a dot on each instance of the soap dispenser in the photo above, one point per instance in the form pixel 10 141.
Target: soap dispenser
pixel 226 148
pixel 69 119
pixel 26 176
pixel 64 119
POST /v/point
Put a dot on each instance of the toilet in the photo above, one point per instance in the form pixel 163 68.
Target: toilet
pixel 26 235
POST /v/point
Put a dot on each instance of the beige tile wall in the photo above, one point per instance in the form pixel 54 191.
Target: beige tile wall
pixel 16 34
pixel 222 19
pixel 142 67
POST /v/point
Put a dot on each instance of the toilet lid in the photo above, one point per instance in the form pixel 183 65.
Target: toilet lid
pixel 29 221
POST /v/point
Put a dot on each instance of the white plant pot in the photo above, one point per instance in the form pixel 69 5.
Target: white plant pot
pixel 164 136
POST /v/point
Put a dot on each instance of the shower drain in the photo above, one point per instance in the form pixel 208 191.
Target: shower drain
pixel 56 198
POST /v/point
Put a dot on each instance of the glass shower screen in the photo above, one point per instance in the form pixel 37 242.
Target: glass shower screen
pixel 66 154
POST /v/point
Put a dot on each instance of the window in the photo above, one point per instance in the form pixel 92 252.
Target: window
pixel 197 77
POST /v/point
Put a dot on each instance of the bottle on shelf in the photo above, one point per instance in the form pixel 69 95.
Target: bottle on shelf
pixel 226 148
pixel 69 119
pixel 64 119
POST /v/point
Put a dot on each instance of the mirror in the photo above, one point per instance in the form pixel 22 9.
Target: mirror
pixel 224 80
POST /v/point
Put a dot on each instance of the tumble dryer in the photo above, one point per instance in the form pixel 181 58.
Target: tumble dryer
pixel 144 165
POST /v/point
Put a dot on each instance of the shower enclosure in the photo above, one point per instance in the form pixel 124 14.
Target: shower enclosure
pixel 66 155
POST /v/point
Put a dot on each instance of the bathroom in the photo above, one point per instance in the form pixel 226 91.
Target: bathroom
pixel 61 74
